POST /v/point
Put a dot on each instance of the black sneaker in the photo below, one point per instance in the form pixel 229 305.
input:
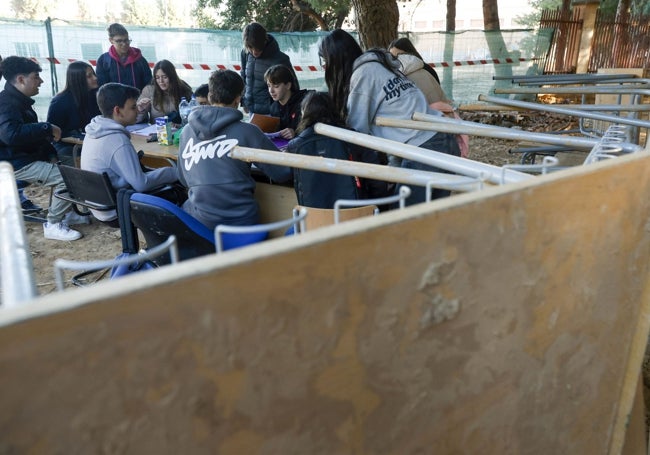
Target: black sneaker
pixel 29 207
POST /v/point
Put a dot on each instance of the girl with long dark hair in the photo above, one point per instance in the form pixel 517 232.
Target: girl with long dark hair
pixel 163 95
pixel 366 85
pixel 74 107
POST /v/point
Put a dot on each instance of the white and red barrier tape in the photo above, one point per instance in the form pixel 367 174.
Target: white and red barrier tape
pixel 298 68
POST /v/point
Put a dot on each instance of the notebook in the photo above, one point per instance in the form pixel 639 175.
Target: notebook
pixel 266 123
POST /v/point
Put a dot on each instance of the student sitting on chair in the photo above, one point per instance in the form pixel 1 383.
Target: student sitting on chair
pixel 322 189
pixel 286 99
pixel 221 189
pixel 25 143
pixel 108 148
pixel 201 95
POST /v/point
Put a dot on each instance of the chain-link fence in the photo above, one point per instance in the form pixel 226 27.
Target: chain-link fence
pixel 465 61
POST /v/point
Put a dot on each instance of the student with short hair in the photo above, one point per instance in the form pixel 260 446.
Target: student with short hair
pixel 74 107
pixel 261 51
pixel 107 146
pixel 122 63
pixel 25 143
pixel 286 99
pixel 221 189
pixel 201 95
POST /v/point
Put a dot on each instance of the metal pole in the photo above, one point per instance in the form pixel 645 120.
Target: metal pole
pixel 566 111
pixel 450 163
pixel 18 284
pixel 365 170
pixel 50 49
pixel 614 89
pixel 448 125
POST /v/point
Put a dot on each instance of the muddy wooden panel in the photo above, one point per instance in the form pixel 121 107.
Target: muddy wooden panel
pixel 509 322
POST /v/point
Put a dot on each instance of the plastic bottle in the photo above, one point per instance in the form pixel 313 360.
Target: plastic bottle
pixel 193 103
pixel 184 110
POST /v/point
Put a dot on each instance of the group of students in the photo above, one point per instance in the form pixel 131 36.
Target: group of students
pixel 100 107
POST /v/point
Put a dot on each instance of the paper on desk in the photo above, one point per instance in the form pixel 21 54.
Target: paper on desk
pixel 142 129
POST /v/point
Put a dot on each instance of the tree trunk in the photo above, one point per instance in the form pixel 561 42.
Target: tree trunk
pixel 495 41
pixel 451 16
pixel 377 22
pixel 448 54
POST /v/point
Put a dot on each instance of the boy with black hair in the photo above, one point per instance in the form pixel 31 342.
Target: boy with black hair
pixel 107 146
pixel 25 143
pixel 201 95
pixel 221 189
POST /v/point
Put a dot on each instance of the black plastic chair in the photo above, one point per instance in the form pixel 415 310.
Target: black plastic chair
pixel 157 219
pixel 87 189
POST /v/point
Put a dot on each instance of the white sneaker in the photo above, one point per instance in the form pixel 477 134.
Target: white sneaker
pixel 72 218
pixel 60 231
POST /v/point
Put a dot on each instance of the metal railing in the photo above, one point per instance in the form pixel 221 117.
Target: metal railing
pixel 18 285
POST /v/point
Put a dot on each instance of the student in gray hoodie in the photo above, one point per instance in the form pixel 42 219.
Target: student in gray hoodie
pixel 221 189
pixel 107 146
pixel 367 85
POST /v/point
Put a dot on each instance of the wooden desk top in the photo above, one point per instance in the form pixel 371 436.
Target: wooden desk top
pixel 154 149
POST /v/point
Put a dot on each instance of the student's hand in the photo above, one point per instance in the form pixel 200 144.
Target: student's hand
pixel 287 133
pixel 56 133
pixel 144 104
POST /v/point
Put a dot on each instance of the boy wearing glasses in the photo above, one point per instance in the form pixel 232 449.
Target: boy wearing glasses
pixel 122 63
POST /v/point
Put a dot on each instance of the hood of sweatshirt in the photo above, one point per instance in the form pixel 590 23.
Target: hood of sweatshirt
pixel 134 55
pixel 368 57
pixel 101 126
pixel 410 63
pixel 207 121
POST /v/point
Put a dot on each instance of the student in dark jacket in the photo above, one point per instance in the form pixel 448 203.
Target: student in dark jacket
pixel 221 189
pixel 122 63
pixel 74 107
pixel 25 143
pixel 286 99
pixel 261 51
pixel 322 189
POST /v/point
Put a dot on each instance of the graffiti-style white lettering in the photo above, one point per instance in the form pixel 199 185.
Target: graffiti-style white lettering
pixel 192 154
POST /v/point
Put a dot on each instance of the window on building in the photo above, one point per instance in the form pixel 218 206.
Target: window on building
pixel 148 52
pixel 476 23
pixel 91 51
pixel 27 50
pixel 438 25
pixel 193 51
pixel 420 24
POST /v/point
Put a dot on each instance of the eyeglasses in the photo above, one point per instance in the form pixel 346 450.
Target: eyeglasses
pixel 122 41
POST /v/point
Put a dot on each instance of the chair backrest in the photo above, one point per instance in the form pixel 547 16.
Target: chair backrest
pixel 403 194
pixel 324 217
pixel 86 188
pixel 229 237
pixel 158 218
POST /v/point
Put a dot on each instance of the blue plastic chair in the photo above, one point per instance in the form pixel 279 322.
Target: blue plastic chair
pixel 157 219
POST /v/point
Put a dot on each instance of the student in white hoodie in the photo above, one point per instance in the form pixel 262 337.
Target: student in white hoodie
pixel 366 85
pixel 107 146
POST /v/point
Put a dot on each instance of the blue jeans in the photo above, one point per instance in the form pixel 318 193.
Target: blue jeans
pixel 440 142
pixel 46 174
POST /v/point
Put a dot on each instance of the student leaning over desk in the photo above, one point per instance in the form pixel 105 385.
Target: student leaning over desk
pixel 221 189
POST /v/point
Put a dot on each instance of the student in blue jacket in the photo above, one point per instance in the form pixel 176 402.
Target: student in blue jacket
pixel 122 63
